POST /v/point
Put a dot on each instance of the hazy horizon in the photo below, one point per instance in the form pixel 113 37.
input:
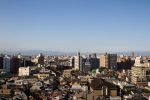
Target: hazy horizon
pixel 75 25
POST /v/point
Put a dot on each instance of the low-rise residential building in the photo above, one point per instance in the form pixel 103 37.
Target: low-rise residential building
pixel 42 76
pixel 115 98
pixel 5 92
pixel 37 86
pixel 19 82
pixel 101 88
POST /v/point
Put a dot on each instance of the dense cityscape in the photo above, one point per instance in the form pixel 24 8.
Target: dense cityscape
pixel 79 77
pixel 74 50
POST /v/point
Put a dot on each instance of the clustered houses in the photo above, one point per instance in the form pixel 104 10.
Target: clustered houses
pixel 78 77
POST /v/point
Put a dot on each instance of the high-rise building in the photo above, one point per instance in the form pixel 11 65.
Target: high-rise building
pixel 104 60
pixel 26 61
pixel 78 62
pixel 132 54
pixel 15 64
pixel 113 61
pixel 86 65
pixel 124 62
pixel 108 60
pixel 6 63
pixel 71 62
pixel 93 60
pixel 94 63
pixel 1 62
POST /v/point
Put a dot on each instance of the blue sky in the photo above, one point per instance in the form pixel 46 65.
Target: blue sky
pixel 72 25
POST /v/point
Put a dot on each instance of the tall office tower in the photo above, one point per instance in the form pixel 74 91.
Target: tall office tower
pixel 15 64
pixel 94 61
pixel 1 62
pixel 6 63
pixel 86 65
pixel 78 62
pixel 113 61
pixel 108 60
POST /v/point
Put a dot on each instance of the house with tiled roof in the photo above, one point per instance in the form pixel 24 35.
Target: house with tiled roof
pixel 101 88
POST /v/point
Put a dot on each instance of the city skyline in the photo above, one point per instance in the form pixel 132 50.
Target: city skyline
pixel 69 26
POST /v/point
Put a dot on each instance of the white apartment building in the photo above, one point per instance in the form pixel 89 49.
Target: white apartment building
pixel 78 62
pixel 24 71
pixel 140 71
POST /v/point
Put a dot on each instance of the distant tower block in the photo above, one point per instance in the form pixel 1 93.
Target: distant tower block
pixel 78 53
pixel 132 54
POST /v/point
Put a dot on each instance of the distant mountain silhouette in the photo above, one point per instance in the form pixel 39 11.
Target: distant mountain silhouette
pixel 136 53
pixel 50 52
pixel 35 52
